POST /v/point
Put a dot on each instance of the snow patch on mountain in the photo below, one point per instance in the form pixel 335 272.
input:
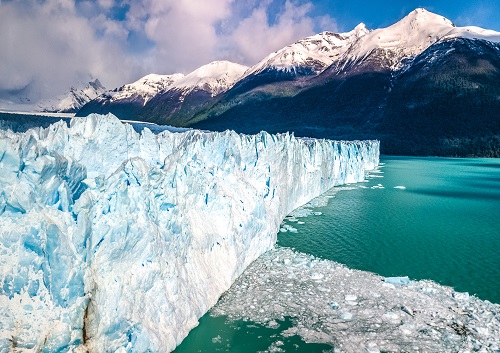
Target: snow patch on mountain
pixel 143 89
pixel 473 32
pixel 316 52
pixel 72 101
pixel 215 78
pixel 409 37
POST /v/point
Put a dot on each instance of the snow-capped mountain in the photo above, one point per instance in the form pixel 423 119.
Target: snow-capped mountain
pixel 311 55
pixel 126 100
pixel 213 78
pixel 407 38
pixel 142 90
pixel 72 101
pixel 330 55
pixel 147 94
pixel 30 99
pixel 380 88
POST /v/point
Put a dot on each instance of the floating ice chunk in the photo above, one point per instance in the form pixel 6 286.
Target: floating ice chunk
pixel 482 330
pixel 351 297
pixel 346 316
pixel 217 339
pixel 334 305
pixel 391 316
pixel 407 310
pixel 400 187
pixel 273 324
pixel 317 276
pixel 288 228
pixel 461 296
pixel 407 329
pixel 429 290
pixel 398 281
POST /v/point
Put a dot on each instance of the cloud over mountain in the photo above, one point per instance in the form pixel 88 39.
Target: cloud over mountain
pixel 49 45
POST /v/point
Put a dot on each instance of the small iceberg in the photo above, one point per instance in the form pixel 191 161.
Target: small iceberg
pixel 398 281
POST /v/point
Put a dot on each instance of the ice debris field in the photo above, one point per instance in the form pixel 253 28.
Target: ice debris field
pixel 357 311
pixel 114 240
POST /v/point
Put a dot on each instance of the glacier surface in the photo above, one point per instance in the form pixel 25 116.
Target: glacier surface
pixel 114 240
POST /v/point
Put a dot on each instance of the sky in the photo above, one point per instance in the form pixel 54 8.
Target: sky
pixel 49 45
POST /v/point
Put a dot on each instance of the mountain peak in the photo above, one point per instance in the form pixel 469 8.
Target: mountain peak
pixel 217 68
pixel 408 37
pixel 420 11
pixel 421 17
pixel 96 84
pixel 74 99
pixel 361 28
pixel 310 55
pixel 216 77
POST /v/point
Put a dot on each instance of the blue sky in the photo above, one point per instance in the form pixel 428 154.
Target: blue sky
pixel 52 44
pixel 382 13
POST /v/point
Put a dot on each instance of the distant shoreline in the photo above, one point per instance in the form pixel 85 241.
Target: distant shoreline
pixel 47 114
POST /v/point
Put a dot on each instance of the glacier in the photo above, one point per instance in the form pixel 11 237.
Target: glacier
pixel 115 240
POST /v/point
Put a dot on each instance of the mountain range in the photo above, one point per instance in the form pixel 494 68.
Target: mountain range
pixel 422 86
pixel 74 99
pixel 28 100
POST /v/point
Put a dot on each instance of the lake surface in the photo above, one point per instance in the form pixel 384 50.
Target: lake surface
pixel 444 226
pixel 426 218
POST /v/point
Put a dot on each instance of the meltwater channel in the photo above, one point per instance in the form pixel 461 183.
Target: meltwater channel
pixel 426 218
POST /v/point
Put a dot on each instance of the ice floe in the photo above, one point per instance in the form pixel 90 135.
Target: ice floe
pixel 356 311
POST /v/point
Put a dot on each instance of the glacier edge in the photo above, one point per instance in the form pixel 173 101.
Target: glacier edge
pixel 113 240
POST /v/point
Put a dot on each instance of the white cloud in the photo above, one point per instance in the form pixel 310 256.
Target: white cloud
pixel 50 45
pixel 189 34
pixel 184 31
pixel 254 38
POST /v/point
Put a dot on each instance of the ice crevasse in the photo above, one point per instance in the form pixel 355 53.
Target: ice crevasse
pixel 114 240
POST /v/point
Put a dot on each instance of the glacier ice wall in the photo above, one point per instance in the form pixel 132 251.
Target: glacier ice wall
pixel 118 241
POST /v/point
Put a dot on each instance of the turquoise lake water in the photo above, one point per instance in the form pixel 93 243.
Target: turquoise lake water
pixel 442 222
pixel 444 226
